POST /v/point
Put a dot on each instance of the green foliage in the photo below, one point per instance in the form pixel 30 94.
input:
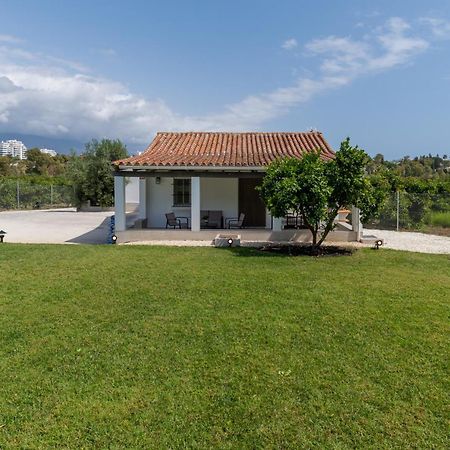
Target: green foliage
pixel 91 173
pixel 425 167
pixel 39 163
pixel 47 191
pixel 317 189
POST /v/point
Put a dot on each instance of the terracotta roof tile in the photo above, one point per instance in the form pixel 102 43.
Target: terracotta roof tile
pixel 221 149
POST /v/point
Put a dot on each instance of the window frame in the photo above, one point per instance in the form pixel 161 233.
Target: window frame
pixel 184 195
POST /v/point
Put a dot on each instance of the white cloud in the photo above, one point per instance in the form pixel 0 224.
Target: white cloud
pixel 49 96
pixel 439 27
pixel 289 44
pixel 10 39
pixel 107 52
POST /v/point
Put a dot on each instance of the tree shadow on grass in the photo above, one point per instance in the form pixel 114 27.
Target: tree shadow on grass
pixel 283 251
pixel 251 252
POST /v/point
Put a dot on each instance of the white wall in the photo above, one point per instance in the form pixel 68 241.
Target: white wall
pixel 220 194
pixel 215 193
pixel 132 190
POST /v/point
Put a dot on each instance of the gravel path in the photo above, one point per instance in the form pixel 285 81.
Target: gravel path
pixel 69 226
pixel 412 242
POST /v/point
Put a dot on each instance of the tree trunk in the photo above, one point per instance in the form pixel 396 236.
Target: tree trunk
pixel 329 225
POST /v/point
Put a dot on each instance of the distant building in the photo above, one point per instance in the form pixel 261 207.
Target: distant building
pixel 16 149
pixel 48 151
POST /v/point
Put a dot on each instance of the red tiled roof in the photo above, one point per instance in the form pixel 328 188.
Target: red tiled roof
pixel 220 149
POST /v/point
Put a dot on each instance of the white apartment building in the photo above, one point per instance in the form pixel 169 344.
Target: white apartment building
pixel 48 151
pixel 16 149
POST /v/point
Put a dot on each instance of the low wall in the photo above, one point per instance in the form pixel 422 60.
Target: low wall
pixel 86 207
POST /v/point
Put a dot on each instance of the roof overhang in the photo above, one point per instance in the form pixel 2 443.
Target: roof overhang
pixel 189 171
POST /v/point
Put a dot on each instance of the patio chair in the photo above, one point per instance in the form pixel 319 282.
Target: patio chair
pixel 215 219
pixel 176 222
pixel 235 222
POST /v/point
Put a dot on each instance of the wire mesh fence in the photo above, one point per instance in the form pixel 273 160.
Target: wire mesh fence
pixel 18 194
pixel 413 211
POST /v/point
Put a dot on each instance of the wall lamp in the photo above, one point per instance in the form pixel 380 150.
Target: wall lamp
pixel 158 180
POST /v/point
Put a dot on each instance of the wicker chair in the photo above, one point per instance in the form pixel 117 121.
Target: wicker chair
pixel 176 222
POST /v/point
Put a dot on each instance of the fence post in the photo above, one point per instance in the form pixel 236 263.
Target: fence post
pixel 398 210
pixel 18 194
pixel 51 194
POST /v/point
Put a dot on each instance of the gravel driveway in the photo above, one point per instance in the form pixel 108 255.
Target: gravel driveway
pixel 58 226
pixel 412 242
pixel 55 226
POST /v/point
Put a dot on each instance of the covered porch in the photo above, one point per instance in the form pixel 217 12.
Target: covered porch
pixel 192 195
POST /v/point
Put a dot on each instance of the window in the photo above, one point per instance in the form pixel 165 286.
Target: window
pixel 181 192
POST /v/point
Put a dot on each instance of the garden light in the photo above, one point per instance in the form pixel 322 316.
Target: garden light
pixel 230 242
pixel 114 238
pixel 378 243
pixel 2 235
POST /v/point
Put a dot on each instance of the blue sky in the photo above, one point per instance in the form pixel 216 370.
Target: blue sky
pixel 378 72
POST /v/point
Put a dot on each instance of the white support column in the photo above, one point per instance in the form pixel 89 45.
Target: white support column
pixel 143 198
pixel 277 223
pixel 356 223
pixel 119 202
pixel 195 203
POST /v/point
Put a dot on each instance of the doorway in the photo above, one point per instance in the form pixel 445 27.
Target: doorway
pixel 250 202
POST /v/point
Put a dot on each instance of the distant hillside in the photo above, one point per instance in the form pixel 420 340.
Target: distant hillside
pixel 60 145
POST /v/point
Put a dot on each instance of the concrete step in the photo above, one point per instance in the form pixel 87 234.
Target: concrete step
pixel 343 226
pixel 370 239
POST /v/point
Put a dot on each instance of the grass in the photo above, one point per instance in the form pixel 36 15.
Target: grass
pixel 151 347
pixel 440 219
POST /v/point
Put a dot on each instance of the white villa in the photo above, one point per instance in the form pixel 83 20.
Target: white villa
pixel 198 175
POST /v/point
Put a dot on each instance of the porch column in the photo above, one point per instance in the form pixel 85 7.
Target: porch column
pixel 143 198
pixel 277 223
pixel 195 203
pixel 356 222
pixel 119 202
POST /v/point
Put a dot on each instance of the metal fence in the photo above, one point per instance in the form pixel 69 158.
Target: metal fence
pixel 406 211
pixel 18 194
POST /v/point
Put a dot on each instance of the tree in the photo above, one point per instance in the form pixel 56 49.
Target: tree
pixel 91 173
pixel 316 189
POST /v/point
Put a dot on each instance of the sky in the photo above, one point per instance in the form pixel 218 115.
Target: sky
pixel 377 71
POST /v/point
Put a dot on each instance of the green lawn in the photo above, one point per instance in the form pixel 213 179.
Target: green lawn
pixel 147 347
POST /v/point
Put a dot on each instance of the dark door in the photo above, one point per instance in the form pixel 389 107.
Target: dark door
pixel 250 203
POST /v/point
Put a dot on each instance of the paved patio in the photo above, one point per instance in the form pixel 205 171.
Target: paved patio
pixel 55 226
